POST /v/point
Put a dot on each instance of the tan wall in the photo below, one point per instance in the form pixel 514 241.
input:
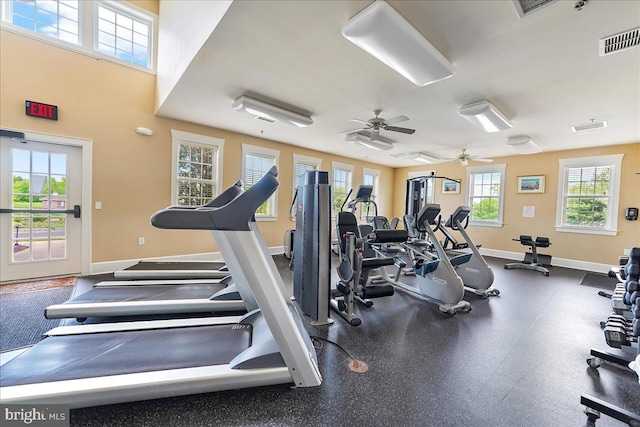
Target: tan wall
pixel 584 247
pixel 105 102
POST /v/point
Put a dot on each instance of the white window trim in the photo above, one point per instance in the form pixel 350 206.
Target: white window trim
pixel 344 167
pixel 484 169
pixel 88 31
pixel 299 158
pixel 255 149
pixel 178 136
pixel 615 161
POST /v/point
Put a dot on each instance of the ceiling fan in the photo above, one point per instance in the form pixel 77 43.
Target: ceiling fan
pixel 464 158
pixel 375 124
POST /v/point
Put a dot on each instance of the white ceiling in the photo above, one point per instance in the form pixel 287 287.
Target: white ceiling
pixel 542 71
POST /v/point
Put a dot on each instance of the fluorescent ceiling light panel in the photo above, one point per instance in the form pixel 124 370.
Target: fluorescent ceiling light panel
pixel 486 116
pixel 590 127
pixel 523 145
pixel 385 34
pixel 379 143
pixel 269 112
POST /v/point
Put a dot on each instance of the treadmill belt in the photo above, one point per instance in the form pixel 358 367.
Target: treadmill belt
pixel 70 357
pixel 148 265
pixel 147 293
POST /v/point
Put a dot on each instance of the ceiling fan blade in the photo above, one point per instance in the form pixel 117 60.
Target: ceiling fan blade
pixel 364 122
pixel 401 130
pixel 396 119
pixel 346 132
pixel 480 159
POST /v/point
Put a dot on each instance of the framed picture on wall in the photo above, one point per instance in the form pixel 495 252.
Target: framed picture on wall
pixel 450 187
pixel 531 184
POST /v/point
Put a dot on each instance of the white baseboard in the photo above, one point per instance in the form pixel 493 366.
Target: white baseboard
pixel 111 266
pixel 557 262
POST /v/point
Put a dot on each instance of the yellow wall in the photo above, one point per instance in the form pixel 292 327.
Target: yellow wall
pixel 584 247
pixel 105 102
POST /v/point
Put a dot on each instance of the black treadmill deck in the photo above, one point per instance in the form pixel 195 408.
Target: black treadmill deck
pixel 70 357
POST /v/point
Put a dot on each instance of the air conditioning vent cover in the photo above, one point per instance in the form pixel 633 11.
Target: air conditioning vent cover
pixel 525 7
pixel 619 42
pixel 591 126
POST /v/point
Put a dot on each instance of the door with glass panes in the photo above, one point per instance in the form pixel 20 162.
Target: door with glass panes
pixel 40 216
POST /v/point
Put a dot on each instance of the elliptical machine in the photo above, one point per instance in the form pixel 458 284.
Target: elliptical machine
pixel 476 273
pixel 436 277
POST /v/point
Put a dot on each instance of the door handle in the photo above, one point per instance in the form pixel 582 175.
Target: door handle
pixel 76 211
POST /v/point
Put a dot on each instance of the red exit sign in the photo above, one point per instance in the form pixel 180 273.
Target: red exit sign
pixel 38 109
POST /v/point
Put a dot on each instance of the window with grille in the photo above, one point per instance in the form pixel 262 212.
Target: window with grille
pixel 124 35
pixel 485 194
pixel 55 18
pixel 302 164
pixel 116 30
pixel 196 171
pixel 256 162
pixel 370 177
pixel 341 184
pixel 588 194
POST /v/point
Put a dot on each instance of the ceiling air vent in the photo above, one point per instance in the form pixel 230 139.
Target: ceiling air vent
pixel 525 7
pixel 619 42
pixel 590 127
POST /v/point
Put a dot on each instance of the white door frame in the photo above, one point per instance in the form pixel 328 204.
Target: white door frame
pixel 86 145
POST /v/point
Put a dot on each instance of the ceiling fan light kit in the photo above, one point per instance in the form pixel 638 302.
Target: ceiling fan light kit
pixel 523 145
pixel 486 116
pixel 269 112
pixel 367 139
pixel 385 34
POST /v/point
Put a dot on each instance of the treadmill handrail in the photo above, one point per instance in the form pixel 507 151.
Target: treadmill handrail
pixel 234 216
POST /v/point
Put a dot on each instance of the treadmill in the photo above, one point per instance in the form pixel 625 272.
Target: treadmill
pixel 160 297
pixel 90 365
pixel 150 270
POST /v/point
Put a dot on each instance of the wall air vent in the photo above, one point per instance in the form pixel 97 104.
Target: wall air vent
pixel 525 7
pixel 619 42
pixel 590 127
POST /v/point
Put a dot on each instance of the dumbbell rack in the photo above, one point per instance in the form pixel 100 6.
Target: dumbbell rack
pixel 622 328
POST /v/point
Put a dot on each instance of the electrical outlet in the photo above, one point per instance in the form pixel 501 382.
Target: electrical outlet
pixel 141 241
pixel 98 205
pixel 627 251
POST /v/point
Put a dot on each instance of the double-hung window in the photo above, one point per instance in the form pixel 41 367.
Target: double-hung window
pixel 370 177
pixel 341 184
pixel 588 192
pixel 302 164
pixel 256 162
pixel 115 30
pixel 196 168
pixel 485 194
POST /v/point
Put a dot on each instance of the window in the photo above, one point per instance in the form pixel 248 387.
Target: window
pixel 114 30
pixel 485 194
pixel 588 191
pixel 370 177
pixel 58 19
pixel 256 162
pixel 123 34
pixel 196 168
pixel 342 182
pixel 301 164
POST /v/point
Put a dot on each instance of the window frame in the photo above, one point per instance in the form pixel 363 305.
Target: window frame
pixel 178 137
pixel 88 30
pixel 272 203
pixel 345 168
pixel 615 162
pixel 301 159
pixel 376 187
pixel 476 170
